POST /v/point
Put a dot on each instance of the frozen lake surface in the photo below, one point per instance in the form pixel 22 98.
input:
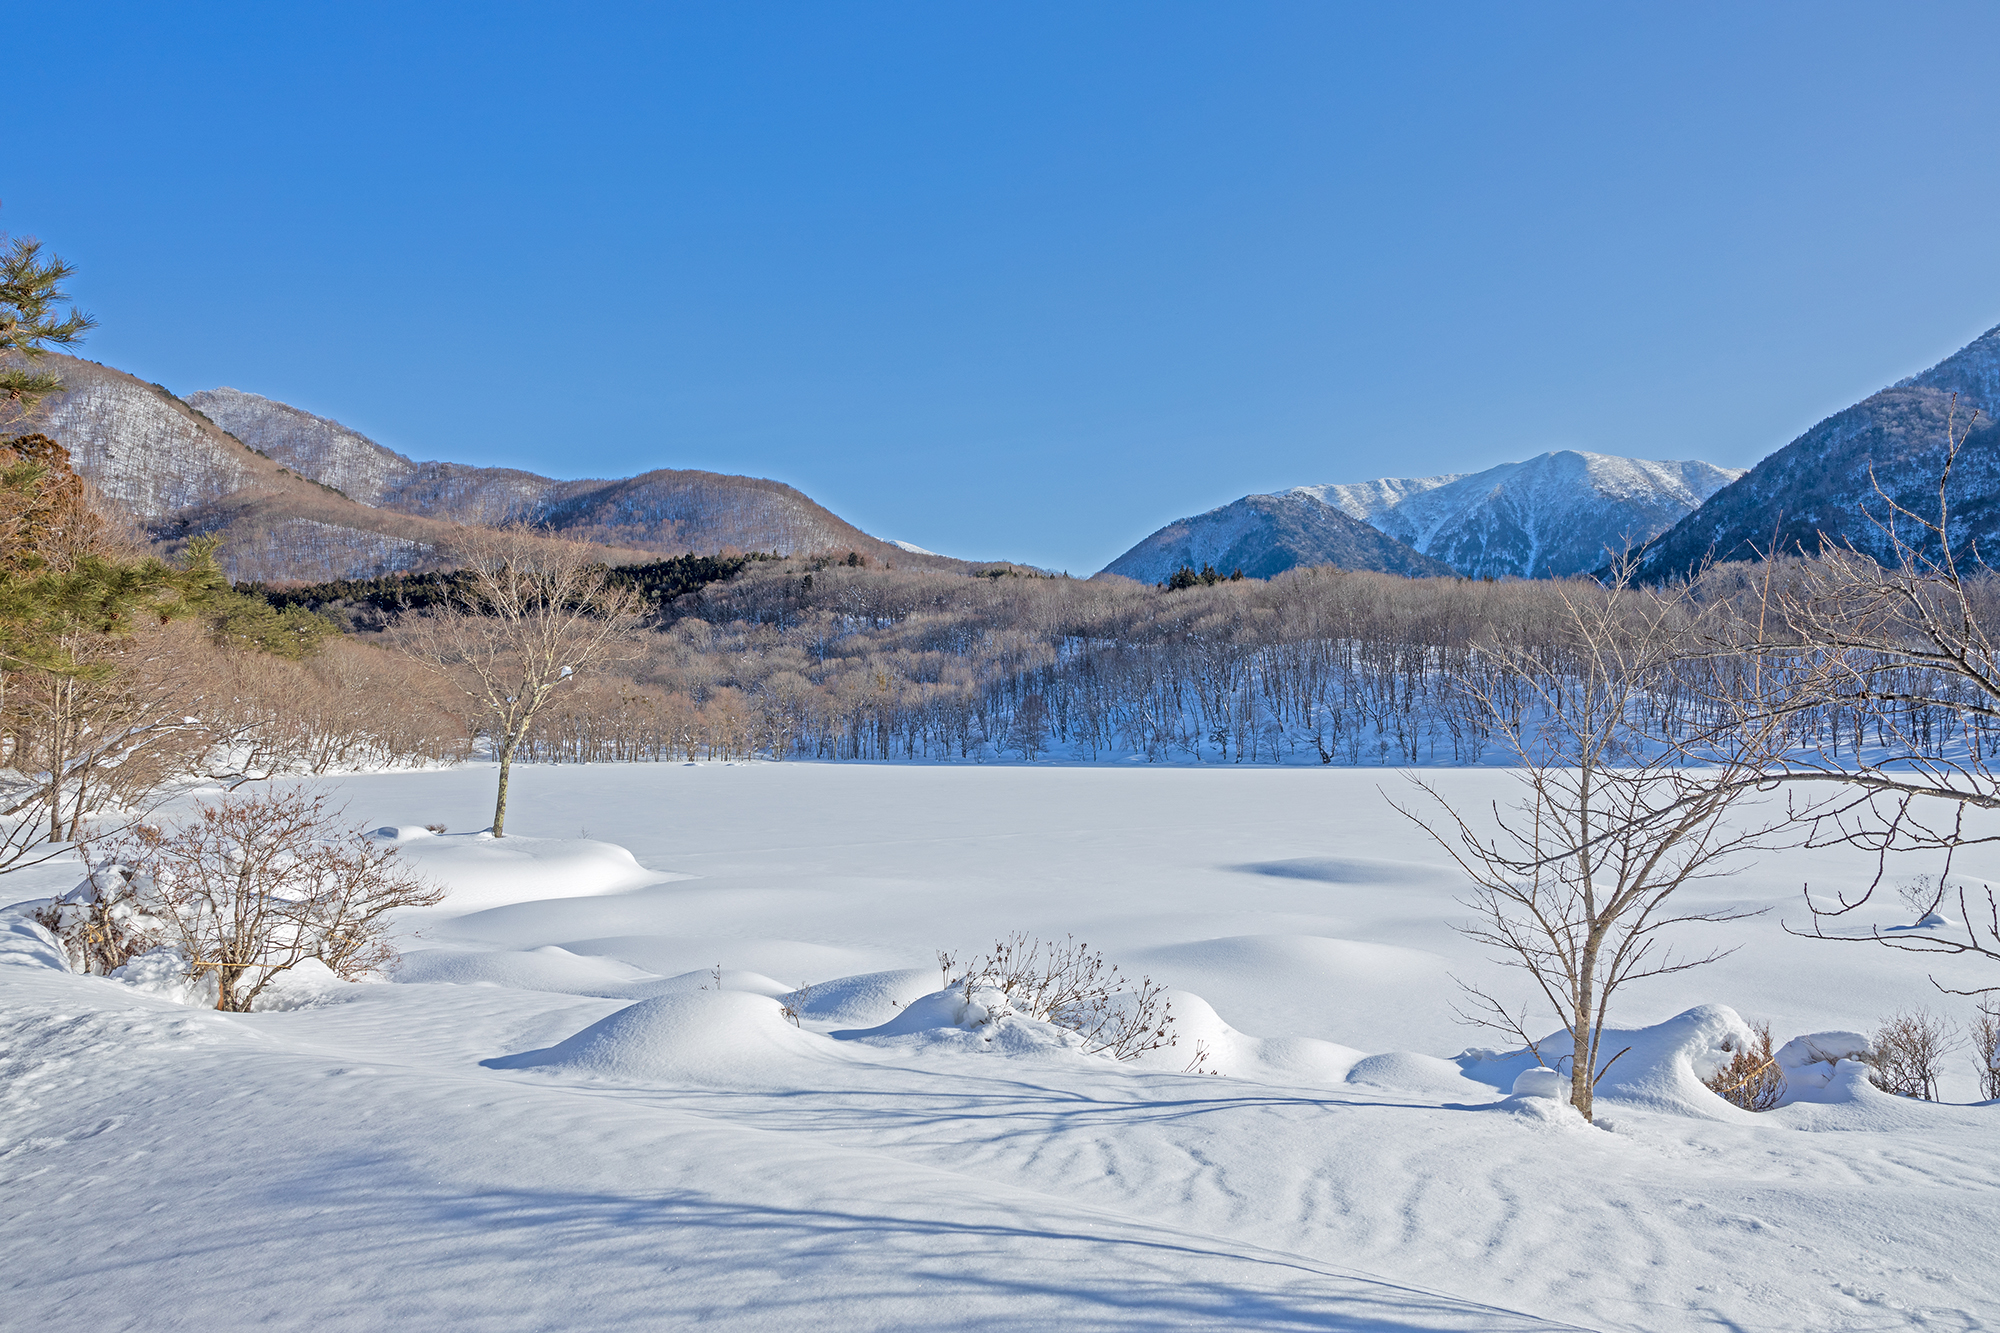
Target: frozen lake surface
pixel 555 1119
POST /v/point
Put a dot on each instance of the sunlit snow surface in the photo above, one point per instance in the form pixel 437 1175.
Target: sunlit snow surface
pixel 559 1119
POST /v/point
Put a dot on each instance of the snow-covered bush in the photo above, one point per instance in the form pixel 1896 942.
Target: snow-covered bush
pixel 1752 1078
pixel 111 918
pixel 1986 1048
pixel 1908 1054
pixel 250 889
pixel 1069 985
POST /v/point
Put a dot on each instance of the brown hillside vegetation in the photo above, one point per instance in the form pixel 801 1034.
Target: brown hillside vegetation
pixel 178 475
pixel 666 511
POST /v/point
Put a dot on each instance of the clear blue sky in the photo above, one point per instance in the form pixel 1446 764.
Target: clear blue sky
pixel 1015 279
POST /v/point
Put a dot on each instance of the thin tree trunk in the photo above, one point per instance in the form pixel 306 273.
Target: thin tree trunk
pixel 1582 1071
pixel 58 754
pixel 500 801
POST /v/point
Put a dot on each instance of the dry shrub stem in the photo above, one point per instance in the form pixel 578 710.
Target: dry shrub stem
pixel 1751 1079
pixel 1908 1053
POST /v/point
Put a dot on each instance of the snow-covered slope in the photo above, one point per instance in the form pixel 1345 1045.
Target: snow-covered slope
pixel 666 509
pixel 1823 484
pixel 1264 535
pixel 1557 513
pixel 312 446
pixel 561 1118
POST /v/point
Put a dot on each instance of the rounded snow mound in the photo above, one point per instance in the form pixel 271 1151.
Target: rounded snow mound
pixel 549 968
pixel 1539 1082
pixel 1658 1068
pixel 479 870
pixel 711 1038
pixel 1201 1032
pixel 868 999
pixel 984 1022
pixel 1409 1072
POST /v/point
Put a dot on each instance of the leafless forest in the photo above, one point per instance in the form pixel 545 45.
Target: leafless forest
pixel 827 660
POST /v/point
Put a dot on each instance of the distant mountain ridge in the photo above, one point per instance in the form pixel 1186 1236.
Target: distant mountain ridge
pixel 1262 535
pixel 174 474
pixel 1557 514
pixel 305 499
pixel 668 510
pixel 1822 484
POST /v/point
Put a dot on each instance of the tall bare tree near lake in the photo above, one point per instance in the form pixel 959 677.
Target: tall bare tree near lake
pixel 1575 882
pixel 534 614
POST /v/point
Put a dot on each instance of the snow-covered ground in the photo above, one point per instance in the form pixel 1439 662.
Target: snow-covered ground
pixel 556 1118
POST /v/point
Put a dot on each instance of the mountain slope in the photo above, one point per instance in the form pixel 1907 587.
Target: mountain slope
pixel 1264 535
pixel 1820 483
pixel 175 474
pixel 1556 514
pixel 665 510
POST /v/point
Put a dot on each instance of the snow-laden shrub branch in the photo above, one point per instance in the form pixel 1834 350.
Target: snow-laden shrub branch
pixel 1068 984
pixel 111 918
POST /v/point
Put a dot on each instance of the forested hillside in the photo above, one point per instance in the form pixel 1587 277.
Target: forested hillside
pixel 665 510
pixel 172 474
pixel 791 659
pixel 1824 484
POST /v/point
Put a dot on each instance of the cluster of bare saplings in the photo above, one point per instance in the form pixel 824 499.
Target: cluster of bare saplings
pixel 168 702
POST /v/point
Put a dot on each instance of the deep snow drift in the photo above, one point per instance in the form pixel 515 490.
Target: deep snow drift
pixel 582 1103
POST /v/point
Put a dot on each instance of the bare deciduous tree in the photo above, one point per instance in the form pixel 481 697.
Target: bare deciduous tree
pixel 1575 882
pixel 541 612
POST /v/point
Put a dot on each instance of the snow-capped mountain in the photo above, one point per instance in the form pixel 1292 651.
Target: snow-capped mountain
pixel 1264 535
pixel 1555 514
pixel 1822 485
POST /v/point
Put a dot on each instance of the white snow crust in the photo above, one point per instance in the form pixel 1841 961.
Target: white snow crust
pixel 582 1104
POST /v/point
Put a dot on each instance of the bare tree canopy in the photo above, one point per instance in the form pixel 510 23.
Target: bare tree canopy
pixel 1900 647
pixel 538 613
pixel 1574 883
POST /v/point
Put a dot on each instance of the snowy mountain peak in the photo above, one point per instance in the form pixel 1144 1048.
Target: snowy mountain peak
pixel 1557 513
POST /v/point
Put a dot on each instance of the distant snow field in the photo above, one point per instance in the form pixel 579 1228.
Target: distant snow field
pixel 581 1104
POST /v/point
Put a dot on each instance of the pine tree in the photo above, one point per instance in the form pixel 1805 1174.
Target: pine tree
pixel 30 289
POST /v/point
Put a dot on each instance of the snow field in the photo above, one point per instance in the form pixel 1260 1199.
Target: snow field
pixel 559 1118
